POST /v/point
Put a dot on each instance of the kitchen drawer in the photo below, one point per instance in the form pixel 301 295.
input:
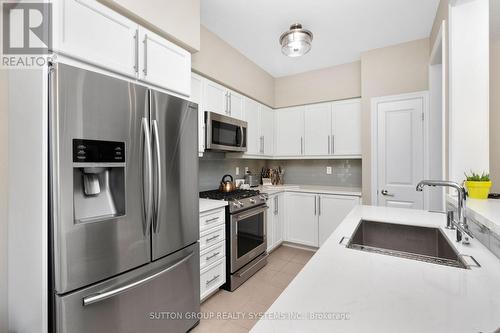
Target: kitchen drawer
pixel 212 218
pixel 212 254
pixel 212 237
pixel 212 278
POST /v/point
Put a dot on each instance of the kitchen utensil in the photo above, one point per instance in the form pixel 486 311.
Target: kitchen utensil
pixel 227 185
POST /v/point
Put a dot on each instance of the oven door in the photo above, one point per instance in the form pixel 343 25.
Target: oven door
pixel 225 133
pixel 248 236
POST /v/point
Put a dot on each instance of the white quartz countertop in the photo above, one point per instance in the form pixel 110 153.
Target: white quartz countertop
pixel 354 191
pixel 386 294
pixel 486 212
pixel 209 204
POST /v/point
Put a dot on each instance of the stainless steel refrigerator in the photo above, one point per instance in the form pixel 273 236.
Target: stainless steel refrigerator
pixel 124 206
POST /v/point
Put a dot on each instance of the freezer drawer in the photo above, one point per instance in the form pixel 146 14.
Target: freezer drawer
pixel 138 301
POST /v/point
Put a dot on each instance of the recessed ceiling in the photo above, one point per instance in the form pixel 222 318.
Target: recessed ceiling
pixel 342 29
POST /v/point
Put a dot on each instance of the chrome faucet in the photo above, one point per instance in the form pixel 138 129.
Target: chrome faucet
pixel 461 223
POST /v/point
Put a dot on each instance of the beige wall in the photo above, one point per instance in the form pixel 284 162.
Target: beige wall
pixel 327 84
pixel 495 114
pixel 393 70
pixel 220 62
pixel 178 21
pixel 3 199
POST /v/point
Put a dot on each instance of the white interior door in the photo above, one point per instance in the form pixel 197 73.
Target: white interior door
pixel 400 152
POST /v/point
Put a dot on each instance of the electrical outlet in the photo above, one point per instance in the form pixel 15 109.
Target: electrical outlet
pixel 246 170
pixel 328 170
pixel 237 171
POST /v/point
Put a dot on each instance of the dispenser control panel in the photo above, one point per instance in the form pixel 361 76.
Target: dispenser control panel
pixel 96 151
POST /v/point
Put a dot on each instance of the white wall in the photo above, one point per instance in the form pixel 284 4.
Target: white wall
pixel 469 88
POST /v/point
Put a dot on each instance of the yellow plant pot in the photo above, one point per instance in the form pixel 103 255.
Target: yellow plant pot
pixel 478 190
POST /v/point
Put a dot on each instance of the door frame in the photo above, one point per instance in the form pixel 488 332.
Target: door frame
pixel 375 101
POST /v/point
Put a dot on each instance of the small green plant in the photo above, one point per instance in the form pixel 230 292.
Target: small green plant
pixel 475 177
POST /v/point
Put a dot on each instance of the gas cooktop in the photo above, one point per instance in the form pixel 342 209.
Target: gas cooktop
pixel 238 200
pixel 228 196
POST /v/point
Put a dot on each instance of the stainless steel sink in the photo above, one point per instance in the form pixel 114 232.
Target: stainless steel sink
pixel 406 241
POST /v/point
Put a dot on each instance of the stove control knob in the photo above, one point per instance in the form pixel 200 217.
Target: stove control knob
pixel 240 204
pixel 252 201
pixel 235 204
pixel 263 197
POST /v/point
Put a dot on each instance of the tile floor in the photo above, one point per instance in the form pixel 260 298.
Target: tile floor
pixel 255 295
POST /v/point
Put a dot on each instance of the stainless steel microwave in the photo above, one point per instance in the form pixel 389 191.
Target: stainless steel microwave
pixel 225 133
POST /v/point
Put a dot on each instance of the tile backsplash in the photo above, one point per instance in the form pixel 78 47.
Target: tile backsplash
pixel 214 165
pixel 345 173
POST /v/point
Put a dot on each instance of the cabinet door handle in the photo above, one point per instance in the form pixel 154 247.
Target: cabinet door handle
pixel 329 143
pixel 229 103
pixel 333 145
pixel 301 146
pixel 145 69
pixel 319 205
pixel 212 256
pixel 136 62
pixel 315 211
pixel 213 279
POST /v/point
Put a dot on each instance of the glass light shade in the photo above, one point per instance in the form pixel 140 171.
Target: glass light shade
pixel 296 42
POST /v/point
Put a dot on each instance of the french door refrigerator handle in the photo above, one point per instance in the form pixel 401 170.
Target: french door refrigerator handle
pixel 158 176
pixel 101 296
pixel 147 197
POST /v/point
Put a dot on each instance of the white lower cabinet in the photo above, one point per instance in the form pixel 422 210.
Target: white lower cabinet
pixel 301 218
pixel 312 217
pixel 332 209
pixel 275 219
pixel 212 251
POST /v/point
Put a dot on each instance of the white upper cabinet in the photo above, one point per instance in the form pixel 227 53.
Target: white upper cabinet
pixel 163 63
pixel 318 129
pixel 197 97
pixel 91 32
pixel 214 98
pixel 290 131
pixel 252 117
pixel 346 125
pixel 235 104
pixel 332 209
pixel 267 130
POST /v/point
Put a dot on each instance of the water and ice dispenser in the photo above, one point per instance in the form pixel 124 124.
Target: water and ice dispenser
pixel 98 180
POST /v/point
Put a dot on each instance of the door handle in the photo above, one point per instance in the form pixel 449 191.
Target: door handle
pixel 147 197
pixel 319 205
pixel 315 206
pixel 329 143
pixel 333 145
pixel 386 193
pixel 158 175
pixel 136 63
pixel 145 69
pixel 98 297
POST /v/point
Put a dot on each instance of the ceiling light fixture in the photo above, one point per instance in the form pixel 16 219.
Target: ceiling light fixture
pixel 296 42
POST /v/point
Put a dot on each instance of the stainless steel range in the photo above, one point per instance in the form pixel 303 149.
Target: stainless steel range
pixel 246 233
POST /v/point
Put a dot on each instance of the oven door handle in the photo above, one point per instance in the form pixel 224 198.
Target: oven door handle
pixel 252 213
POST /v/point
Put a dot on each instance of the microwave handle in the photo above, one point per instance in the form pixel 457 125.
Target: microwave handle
pixel 242 141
